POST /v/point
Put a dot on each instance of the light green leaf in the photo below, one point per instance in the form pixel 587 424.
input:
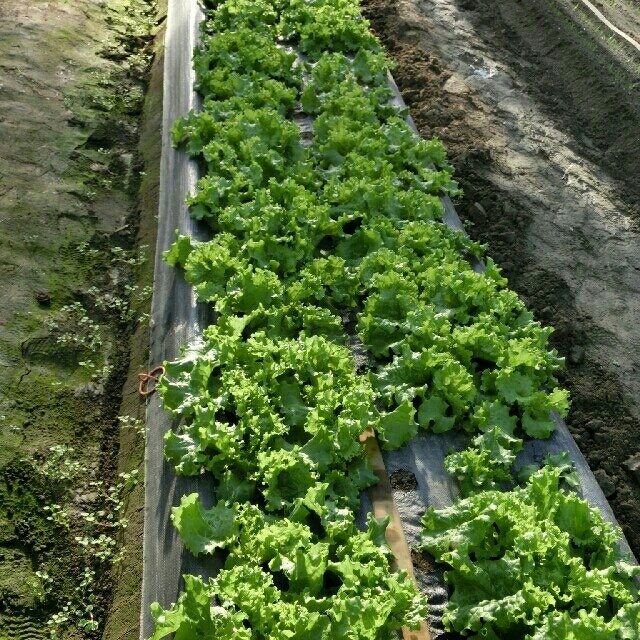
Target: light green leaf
pixel 540 429
pixel 204 530
pixel 179 251
pixel 398 426
pixel 433 412
pixel 514 386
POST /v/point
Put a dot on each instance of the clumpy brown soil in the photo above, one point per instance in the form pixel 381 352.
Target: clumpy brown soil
pixel 403 480
pixel 538 108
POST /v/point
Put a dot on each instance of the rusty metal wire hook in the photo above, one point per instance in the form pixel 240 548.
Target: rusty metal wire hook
pixel 144 378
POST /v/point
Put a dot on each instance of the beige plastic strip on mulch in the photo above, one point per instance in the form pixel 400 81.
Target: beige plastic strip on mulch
pixel 384 505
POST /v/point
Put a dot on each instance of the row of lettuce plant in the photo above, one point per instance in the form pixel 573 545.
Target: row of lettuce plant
pixel 331 236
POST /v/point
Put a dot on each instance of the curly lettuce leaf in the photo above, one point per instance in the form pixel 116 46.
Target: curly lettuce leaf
pixel 204 530
pixel 516 557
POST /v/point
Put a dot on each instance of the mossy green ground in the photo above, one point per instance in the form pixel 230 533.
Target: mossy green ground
pixel 73 78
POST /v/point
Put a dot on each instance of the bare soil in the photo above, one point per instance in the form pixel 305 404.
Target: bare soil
pixel 403 480
pixel 538 105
